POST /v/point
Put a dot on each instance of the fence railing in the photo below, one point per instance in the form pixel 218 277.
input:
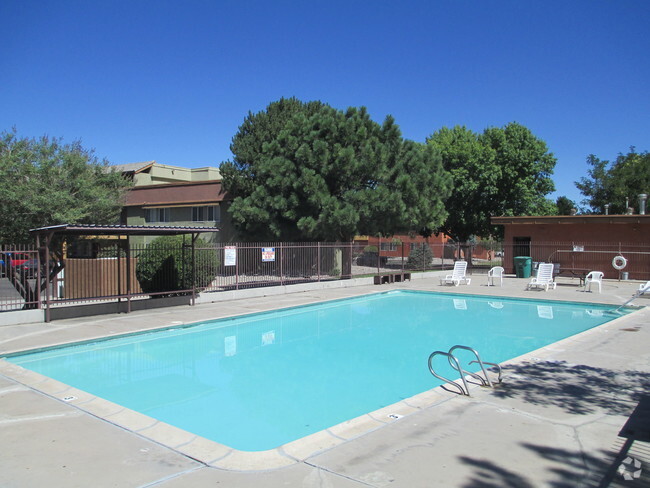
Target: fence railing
pixel 149 272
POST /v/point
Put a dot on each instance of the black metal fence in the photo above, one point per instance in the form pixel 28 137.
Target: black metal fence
pixel 150 272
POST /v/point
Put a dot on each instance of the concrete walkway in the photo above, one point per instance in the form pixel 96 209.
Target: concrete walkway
pixel 565 415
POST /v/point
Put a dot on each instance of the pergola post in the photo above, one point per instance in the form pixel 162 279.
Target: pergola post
pixel 194 238
pixel 48 242
pixel 128 275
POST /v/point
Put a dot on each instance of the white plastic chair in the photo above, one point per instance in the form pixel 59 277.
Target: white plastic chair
pixel 644 288
pixel 594 277
pixel 457 275
pixel 494 274
pixel 544 277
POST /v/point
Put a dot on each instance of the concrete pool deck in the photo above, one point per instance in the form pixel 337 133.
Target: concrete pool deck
pixel 565 415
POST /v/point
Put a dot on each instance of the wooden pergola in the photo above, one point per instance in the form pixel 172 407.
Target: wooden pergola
pixel 116 231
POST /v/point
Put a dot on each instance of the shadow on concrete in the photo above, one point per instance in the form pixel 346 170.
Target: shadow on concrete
pixel 578 389
pixel 488 475
pixel 636 429
pixel 571 469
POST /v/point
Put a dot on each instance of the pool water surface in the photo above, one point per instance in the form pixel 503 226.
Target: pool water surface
pixel 259 381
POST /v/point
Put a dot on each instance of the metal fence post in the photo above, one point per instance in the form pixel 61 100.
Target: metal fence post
pixel 281 273
pixel 236 267
pixel 318 260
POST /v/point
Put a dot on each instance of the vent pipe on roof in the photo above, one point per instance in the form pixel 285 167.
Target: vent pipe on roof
pixel 573 211
pixel 607 209
pixel 642 199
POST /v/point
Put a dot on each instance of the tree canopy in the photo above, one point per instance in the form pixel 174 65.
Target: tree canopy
pixel 565 206
pixel 45 182
pixel 306 171
pixel 503 171
pixel 614 182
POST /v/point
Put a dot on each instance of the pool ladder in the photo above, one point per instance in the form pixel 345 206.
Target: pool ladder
pixel 454 363
pixel 640 291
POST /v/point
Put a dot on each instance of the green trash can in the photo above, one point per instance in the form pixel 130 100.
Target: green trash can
pixel 523 265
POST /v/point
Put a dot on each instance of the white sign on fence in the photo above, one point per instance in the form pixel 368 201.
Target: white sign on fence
pixel 230 256
pixel 268 254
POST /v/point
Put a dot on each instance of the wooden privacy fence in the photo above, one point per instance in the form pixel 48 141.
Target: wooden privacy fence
pixel 92 278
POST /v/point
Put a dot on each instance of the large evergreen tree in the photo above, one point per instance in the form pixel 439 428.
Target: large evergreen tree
pixel 306 171
pixel 503 171
pixel 45 182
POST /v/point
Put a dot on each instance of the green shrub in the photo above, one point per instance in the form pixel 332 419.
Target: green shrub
pixel 420 258
pixel 166 266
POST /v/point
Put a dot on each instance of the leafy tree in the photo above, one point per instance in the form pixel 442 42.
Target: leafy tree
pixel 525 166
pixel 564 205
pixel 306 171
pixel 615 183
pixel 45 182
pixel 475 178
pixel 503 171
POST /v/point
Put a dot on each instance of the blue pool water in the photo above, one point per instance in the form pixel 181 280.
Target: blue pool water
pixel 256 382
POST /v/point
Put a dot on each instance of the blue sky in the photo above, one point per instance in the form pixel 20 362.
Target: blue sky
pixel 172 81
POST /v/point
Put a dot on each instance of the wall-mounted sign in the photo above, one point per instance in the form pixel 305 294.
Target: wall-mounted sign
pixel 230 256
pixel 268 254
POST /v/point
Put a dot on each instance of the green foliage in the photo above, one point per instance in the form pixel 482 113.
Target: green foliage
pixel 166 265
pixel 564 205
pixel 306 171
pixel 475 181
pixel 45 182
pixel 544 206
pixel 503 171
pixel 613 183
pixel 420 258
pixel 370 249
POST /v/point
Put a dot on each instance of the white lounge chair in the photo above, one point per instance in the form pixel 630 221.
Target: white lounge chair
pixel 594 277
pixel 544 277
pixel 494 274
pixel 644 288
pixel 457 275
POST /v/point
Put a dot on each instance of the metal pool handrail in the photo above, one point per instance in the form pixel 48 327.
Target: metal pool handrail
pixel 478 360
pixel 455 363
pixel 451 358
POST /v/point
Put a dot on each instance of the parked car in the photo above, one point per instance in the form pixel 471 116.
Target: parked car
pixel 29 268
pixel 15 258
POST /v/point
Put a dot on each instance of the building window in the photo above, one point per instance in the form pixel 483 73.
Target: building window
pixel 152 215
pixel 388 246
pixel 206 214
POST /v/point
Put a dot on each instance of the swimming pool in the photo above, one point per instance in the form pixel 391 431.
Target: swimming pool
pixel 260 381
